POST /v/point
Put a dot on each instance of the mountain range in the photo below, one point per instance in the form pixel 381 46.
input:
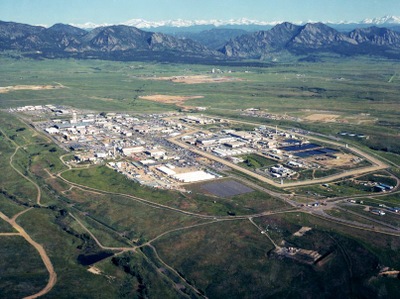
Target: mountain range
pixel 314 38
pixel 118 42
pixel 122 42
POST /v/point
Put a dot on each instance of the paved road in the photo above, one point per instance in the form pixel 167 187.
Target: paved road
pixel 353 224
pixel 369 218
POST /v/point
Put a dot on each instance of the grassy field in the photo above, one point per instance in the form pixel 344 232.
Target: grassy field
pixel 103 178
pixel 337 85
pixel 254 161
pixel 334 189
pixel 131 218
pixel 6 228
pixel 9 206
pixel 63 249
pixel 351 217
pixel 22 272
pixel 141 277
pixel 389 218
pixel 390 199
pixel 258 272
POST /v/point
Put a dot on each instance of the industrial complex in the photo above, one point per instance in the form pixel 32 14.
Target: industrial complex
pixel 170 150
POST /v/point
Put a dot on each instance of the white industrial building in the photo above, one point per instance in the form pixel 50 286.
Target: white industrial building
pixel 166 170
pixel 156 153
pixel 194 176
pixel 52 130
pixel 132 150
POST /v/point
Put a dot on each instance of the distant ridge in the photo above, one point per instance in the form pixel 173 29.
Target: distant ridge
pixel 117 42
pixel 314 38
pixel 122 42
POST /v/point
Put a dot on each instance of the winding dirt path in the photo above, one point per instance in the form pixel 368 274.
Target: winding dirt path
pixel 9 234
pixel 98 242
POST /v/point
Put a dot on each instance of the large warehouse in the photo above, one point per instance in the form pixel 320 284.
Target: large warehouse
pixel 195 176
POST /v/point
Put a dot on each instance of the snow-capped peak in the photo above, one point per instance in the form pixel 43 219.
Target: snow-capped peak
pixel 382 21
pixel 90 25
pixel 140 23
pixel 144 24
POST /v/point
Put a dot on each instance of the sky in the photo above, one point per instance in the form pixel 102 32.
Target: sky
pixel 49 12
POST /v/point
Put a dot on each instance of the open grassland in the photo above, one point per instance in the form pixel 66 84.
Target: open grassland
pixel 133 220
pixel 254 161
pixel 140 277
pixel 390 218
pixel 5 227
pixel 8 206
pixel 390 200
pixel 200 253
pixel 103 178
pixel 217 248
pixel 343 214
pixel 63 249
pixel 383 246
pixel 335 189
pixel 11 182
pixel 361 249
pixel 345 86
pixel 21 270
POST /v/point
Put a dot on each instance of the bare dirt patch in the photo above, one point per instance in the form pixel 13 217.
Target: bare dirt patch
pixel 7 89
pixel 198 79
pixel 102 99
pixel 169 99
pixel 94 270
pixel 302 231
pixel 343 159
pixel 360 119
pixel 322 117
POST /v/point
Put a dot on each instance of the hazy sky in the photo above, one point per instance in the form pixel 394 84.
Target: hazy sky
pixel 116 11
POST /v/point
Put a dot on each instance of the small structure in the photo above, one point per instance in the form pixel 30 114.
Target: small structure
pixel 52 130
pixel 378 212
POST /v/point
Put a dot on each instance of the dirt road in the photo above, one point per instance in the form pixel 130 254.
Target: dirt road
pixel 98 242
